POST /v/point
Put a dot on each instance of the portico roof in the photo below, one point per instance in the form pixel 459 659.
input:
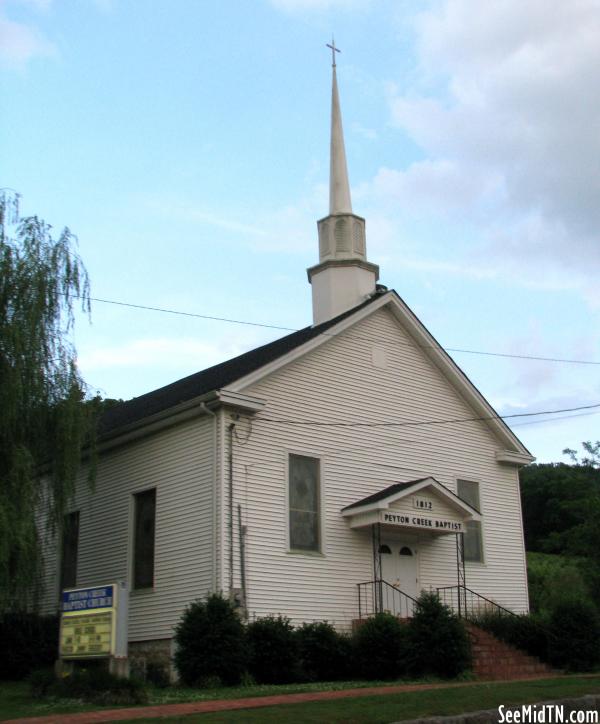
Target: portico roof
pixel 384 498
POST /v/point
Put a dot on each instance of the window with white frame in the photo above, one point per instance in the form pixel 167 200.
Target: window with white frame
pixel 468 491
pixel 304 505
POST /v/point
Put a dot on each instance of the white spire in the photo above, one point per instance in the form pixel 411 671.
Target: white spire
pixel 339 187
pixel 343 278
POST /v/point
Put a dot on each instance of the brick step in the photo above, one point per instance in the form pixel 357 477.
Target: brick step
pixel 504 662
pixel 532 668
pixel 495 659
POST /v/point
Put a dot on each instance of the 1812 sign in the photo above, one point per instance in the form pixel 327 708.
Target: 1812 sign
pixel 422 503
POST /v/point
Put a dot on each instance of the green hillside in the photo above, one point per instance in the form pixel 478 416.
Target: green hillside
pixel 561 517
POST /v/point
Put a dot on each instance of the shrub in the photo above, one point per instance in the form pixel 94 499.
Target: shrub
pixel 380 647
pixel 29 642
pixel 157 673
pixel 323 652
pixel 41 682
pixel 555 578
pixel 439 643
pixel 574 642
pixel 94 685
pixel 527 632
pixel 273 650
pixel 210 642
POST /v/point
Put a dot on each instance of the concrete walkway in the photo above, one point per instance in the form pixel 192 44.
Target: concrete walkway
pixel 204 707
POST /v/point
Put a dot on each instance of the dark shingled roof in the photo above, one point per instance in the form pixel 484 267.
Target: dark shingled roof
pixel 385 493
pixel 213 378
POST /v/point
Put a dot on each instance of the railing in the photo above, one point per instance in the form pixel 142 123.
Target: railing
pixel 380 596
pixel 469 604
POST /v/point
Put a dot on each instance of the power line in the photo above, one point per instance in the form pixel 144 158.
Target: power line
pixel 556 419
pixel 320 423
pixel 331 334
pixel 188 314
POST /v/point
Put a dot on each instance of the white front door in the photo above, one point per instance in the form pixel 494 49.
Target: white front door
pixel 399 566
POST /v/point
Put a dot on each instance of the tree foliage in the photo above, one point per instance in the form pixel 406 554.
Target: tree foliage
pixel 561 508
pixel 44 423
pixel 591 457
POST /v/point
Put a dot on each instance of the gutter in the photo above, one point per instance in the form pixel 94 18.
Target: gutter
pixel 179 413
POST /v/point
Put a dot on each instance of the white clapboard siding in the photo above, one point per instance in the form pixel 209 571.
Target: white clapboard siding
pixel 339 382
pixel 178 462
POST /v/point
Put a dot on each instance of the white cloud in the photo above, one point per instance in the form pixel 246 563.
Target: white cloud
pixel 163 352
pixel 287 229
pixel 369 133
pixel 504 106
pixel 19 43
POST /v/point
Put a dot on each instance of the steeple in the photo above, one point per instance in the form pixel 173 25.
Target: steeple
pixel 339 187
pixel 343 278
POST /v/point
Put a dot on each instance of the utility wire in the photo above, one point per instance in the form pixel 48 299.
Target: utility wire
pixel 330 334
pixel 320 423
pixel 188 314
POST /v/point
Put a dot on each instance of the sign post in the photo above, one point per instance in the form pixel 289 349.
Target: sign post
pixel 93 625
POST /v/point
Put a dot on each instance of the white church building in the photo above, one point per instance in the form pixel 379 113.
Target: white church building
pixel 332 473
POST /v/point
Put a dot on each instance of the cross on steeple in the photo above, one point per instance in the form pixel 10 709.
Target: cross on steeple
pixel 334 50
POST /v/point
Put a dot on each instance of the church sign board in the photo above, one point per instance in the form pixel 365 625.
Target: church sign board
pixel 93 622
pixel 420 520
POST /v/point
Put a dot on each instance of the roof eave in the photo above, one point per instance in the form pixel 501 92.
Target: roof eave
pixel 198 406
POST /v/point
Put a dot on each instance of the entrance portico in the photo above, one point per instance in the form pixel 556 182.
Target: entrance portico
pixel 401 517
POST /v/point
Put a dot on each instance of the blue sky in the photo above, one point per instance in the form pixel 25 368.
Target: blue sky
pixel 186 144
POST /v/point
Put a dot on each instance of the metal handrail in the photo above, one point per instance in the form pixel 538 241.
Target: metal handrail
pixel 464 612
pixel 379 595
pixel 491 606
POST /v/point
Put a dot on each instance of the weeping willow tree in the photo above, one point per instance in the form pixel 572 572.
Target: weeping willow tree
pixel 45 422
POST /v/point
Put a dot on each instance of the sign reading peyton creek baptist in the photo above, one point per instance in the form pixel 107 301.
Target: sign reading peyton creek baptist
pixel 418 520
pixel 93 622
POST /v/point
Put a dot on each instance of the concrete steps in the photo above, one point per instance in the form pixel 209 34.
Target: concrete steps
pixel 494 659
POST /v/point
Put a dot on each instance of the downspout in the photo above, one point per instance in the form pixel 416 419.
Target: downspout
pixel 231 429
pixel 242 535
pixel 208 411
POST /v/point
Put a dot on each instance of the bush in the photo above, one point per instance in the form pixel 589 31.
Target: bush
pixel 157 674
pixel 94 685
pixel 527 632
pixel 29 642
pixel 555 578
pixel 439 643
pixel 574 642
pixel 210 643
pixel 41 682
pixel 380 647
pixel 324 653
pixel 273 649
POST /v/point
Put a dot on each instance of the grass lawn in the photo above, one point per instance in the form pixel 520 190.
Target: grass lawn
pixel 409 705
pixel 15 701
